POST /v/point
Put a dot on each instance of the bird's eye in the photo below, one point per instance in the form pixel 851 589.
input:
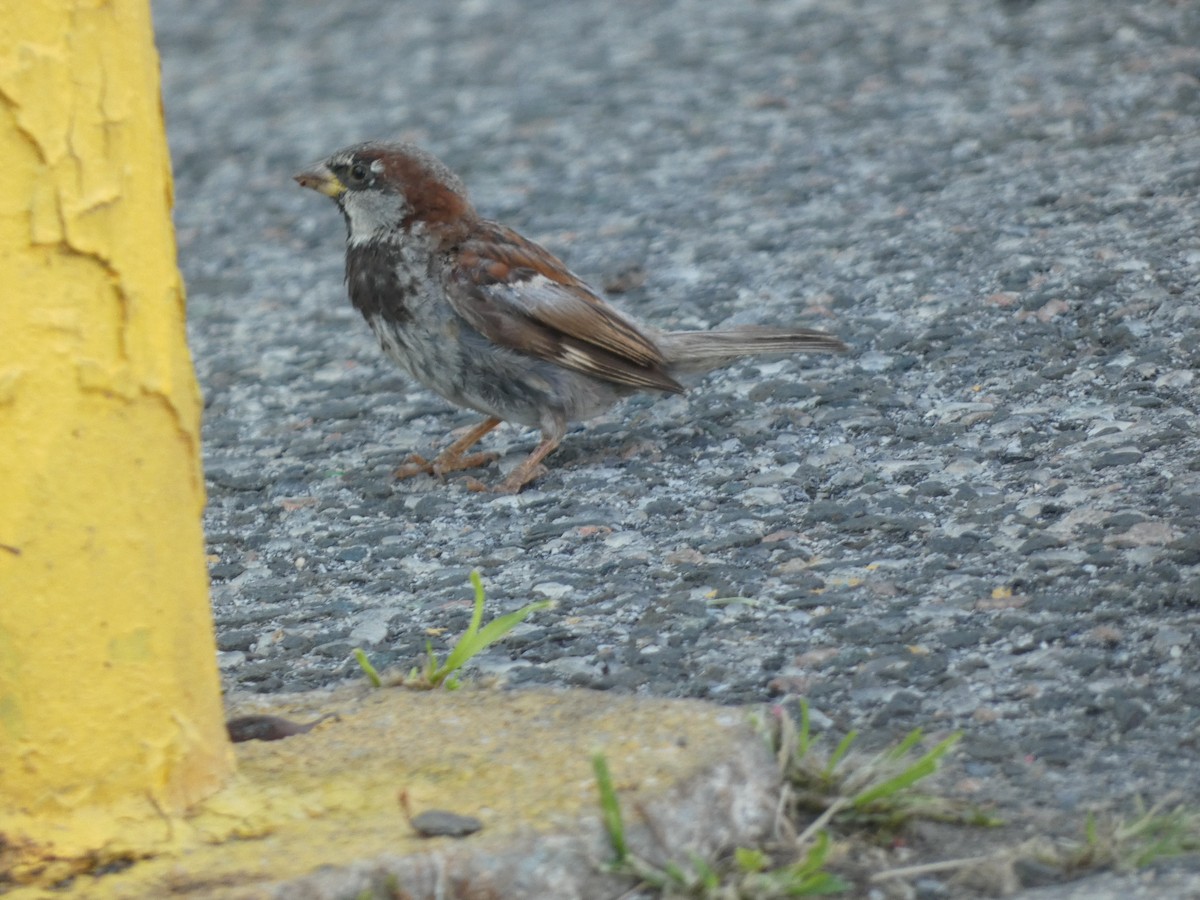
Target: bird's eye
pixel 358 173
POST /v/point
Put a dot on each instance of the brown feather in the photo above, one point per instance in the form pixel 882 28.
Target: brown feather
pixel 519 296
pixel 540 287
pixel 701 351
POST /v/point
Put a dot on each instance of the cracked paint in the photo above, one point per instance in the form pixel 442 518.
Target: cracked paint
pixel 100 531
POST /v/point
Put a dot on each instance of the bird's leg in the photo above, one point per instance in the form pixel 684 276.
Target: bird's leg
pixel 452 459
pixel 528 470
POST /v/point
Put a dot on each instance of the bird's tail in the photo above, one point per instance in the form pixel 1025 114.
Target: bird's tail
pixel 702 351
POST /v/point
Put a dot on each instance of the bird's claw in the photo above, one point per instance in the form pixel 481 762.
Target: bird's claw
pixel 443 465
pixel 414 465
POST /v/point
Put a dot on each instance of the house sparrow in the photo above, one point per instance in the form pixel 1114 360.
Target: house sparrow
pixel 492 321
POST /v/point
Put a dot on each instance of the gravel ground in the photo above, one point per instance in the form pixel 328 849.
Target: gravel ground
pixel 986 517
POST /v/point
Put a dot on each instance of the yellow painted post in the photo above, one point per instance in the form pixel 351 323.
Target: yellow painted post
pixel 110 709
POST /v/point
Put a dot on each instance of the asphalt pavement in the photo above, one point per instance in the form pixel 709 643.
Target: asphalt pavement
pixel 985 517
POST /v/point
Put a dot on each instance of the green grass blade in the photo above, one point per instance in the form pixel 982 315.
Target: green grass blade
pixel 750 860
pixel 369 670
pixel 807 877
pixel 922 768
pixel 902 748
pixel 472 643
pixel 431 664
pixel 464 649
pixel 477 614
pixel 610 809
pixel 804 738
pixel 476 639
pixel 840 751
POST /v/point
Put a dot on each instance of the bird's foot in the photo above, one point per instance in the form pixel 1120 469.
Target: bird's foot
pixel 443 464
pixel 443 467
pixel 455 457
pixel 414 465
pixel 513 484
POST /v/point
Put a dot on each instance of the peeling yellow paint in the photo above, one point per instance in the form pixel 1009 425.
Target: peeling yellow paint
pixel 119 381
pixel 109 698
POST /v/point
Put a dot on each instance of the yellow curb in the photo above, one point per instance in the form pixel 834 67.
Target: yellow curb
pixel 318 815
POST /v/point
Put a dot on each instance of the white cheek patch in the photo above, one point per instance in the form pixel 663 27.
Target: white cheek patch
pixel 371 213
pixel 377 166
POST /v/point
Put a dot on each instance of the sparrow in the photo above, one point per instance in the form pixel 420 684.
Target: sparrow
pixel 493 322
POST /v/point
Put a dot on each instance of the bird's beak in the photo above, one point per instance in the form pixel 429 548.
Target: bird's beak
pixel 320 178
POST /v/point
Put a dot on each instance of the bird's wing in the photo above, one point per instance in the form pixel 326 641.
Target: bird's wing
pixel 518 295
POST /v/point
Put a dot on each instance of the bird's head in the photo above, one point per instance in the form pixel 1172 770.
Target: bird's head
pixel 389 191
